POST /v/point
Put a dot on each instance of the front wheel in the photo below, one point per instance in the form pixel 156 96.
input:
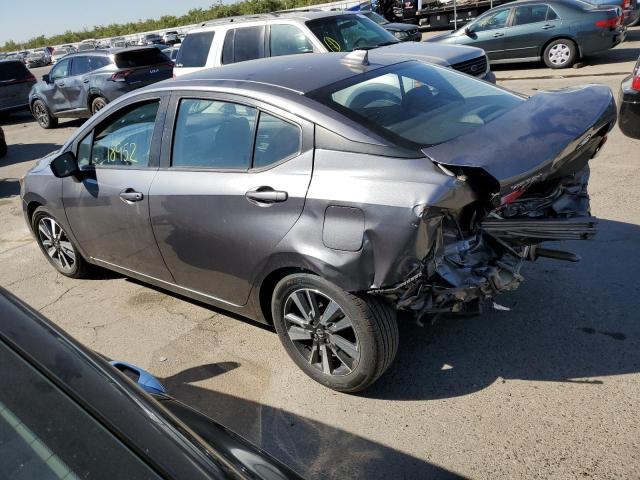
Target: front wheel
pixel 56 245
pixel 342 341
pixel 561 53
pixel 43 115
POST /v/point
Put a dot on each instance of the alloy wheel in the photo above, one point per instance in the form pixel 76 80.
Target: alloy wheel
pixel 559 54
pixel 55 242
pixel 41 114
pixel 321 332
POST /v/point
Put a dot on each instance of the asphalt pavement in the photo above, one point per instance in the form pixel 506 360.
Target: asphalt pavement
pixel 549 389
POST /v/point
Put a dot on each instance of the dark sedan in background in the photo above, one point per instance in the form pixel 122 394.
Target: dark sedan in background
pixel 65 413
pixel 82 83
pixel 559 32
pixel 402 31
pixel 15 83
pixel 629 100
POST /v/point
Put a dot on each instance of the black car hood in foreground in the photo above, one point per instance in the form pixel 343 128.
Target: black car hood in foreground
pixel 536 139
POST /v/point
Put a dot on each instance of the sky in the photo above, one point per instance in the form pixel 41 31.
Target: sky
pixel 21 20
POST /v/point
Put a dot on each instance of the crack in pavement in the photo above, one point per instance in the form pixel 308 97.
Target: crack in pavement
pixel 58 298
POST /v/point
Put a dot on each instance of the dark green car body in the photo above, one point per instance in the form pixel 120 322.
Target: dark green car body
pixel 521 31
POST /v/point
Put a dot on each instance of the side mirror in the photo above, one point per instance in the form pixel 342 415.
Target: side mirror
pixel 469 30
pixel 64 165
pixel 46 78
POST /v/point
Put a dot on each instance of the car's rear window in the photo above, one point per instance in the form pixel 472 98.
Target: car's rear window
pixel 194 50
pixel 13 70
pixel 416 104
pixel 140 58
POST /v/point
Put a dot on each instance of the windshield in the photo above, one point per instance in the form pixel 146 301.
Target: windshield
pixel 379 19
pixel 345 33
pixel 417 104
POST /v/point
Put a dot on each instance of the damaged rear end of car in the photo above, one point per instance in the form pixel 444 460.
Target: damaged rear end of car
pixel 528 170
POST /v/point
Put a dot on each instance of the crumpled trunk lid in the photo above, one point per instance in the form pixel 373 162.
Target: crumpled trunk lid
pixel 552 134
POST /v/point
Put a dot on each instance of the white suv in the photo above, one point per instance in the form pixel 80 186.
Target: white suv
pixel 238 39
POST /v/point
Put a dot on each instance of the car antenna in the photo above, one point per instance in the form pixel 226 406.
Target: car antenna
pixel 357 57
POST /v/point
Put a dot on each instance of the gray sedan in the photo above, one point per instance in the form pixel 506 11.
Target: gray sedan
pixel 324 200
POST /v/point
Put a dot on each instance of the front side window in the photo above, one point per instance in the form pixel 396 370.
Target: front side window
pixel 345 33
pixel 417 104
pixel 61 70
pixel 125 140
pixel 276 140
pixel 194 50
pixel 288 40
pixel 529 14
pixel 492 21
pixel 213 134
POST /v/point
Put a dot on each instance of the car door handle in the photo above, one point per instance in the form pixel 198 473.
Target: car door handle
pixel 498 34
pixel 61 84
pixel 85 80
pixel 547 27
pixel 266 195
pixel 130 195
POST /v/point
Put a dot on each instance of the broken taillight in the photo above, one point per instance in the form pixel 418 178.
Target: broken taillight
pixel 512 197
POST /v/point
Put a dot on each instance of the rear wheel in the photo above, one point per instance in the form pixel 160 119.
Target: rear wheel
pixel 43 116
pixel 56 245
pixel 342 341
pixel 561 53
pixel 98 104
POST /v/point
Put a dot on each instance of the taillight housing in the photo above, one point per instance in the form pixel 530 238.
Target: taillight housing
pixel 635 83
pixel 608 23
pixel 121 76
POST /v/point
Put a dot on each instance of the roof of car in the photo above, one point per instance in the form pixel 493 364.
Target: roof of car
pixel 108 51
pixel 302 15
pixel 300 73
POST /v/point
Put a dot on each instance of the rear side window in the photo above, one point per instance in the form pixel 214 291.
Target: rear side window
pixel 213 134
pixel 13 71
pixel 243 44
pixel 140 58
pixel 80 65
pixel 288 40
pixel 125 140
pixel 194 50
pixel 529 14
pixel 275 140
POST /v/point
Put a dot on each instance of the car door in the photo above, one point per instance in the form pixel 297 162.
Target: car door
pixel 488 32
pixel 53 91
pixel 77 82
pixel 531 26
pixel 108 209
pixel 233 182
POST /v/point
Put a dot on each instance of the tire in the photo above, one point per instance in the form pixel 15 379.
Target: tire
pixel 357 336
pixel 561 53
pixel 66 258
pixel 43 116
pixel 98 104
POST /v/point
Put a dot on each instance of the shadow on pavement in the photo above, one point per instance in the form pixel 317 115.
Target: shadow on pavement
pixel 314 449
pixel 569 322
pixel 26 152
pixel 9 187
